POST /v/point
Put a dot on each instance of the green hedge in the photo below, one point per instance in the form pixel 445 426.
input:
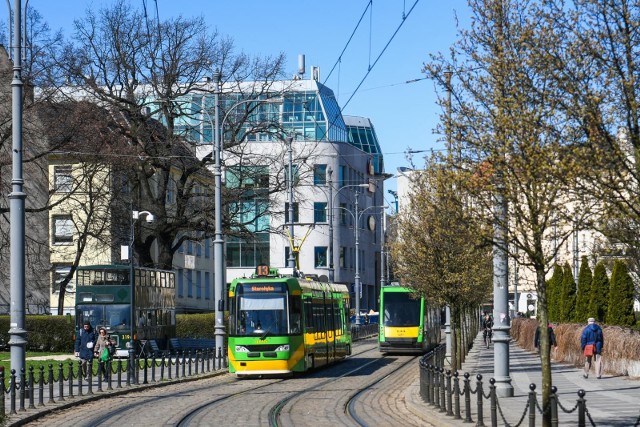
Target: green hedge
pixel 195 325
pixel 57 333
pixel 44 333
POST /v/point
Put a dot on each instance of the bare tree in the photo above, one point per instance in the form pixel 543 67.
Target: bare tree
pixel 149 74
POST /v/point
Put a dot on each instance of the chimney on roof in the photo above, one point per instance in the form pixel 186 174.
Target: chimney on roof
pixel 301 67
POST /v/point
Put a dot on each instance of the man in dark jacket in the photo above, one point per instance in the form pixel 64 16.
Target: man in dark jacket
pixel 592 334
pixel 85 342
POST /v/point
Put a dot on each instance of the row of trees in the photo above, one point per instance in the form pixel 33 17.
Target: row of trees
pixel 607 299
pixel 541 116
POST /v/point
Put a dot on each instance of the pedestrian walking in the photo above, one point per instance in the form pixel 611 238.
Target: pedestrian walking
pixel 103 350
pixel 592 342
pixel 85 341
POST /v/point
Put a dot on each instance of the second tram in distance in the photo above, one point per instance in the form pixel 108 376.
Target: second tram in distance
pixel 408 324
pixel 279 325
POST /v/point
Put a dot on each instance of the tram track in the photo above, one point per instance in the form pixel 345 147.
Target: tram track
pixel 349 407
pixel 194 413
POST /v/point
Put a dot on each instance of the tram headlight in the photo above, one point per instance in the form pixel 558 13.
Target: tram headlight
pixel 241 349
pixel 284 347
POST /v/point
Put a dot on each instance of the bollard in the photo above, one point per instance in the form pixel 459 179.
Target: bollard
pixel 146 368
pixel 71 379
pixel 436 381
pixel 61 382
pixel 41 385
pixel 553 402
pixel 208 360
pixel 12 391
pixel 423 379
pixel 467 399
pixel 51 399
pixel 197 361
pixel 219 357
pixel 443 403
pixel 494 403
pixel 456 396
pixel 479 392
pixel 23 386
pixel 100 374
pixel 581 408
pixel 119 373
pixel 2 408
pixel 532 405
pixel 129 372
pixel 449 405
pixel 109 372
pixel 153 369
pixel 30 389
pixel 90 377
pixel 162 362
pixel 430 385
pixel 184 363
pixel 190 359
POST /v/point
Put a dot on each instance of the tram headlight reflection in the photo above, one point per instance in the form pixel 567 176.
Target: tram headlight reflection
pixel 284 347
pixel 241 349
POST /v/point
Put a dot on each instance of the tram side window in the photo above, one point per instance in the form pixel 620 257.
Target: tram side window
pixel 308 313
pixel 296 310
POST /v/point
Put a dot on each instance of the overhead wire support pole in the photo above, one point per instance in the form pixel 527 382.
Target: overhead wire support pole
pixel 17 332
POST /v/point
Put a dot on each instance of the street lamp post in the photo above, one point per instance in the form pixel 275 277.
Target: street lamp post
pixel 292 260
pixel 135 215
pixel 218 241
pixel 331 197
pixel 356 217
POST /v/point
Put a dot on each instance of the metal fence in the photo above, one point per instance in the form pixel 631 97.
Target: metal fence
pixel 64 381
pixel 443 390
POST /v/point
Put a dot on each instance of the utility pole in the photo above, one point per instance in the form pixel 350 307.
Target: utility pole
pixel 330 182
pixel 17 332
pixel 292 260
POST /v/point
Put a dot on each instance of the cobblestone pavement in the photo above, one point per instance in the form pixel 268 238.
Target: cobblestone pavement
pixel 248 402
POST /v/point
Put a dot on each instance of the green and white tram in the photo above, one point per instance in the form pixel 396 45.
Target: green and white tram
pixel 409 324
pixel 280 325
pixel 103 296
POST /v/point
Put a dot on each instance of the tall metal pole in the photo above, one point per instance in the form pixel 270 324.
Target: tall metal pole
pixel 132 309
pixel 357 278
pixel 17 332
pixel 330 181
pixel 218 241
pixel 292 262
pixel 383 227
pixel 501 319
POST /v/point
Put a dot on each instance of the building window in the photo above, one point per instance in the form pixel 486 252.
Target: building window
pixel 62 178
pixel 207 285
pixel 62 229
pixel 248 253
pixel 343 254
pixel 59 273
pixel 319 212
pixel 180 274
pixel 190 283
pixel 207 248
pixel 343 213
pixel 320 256
pixel 296 218
pixel 320 175
pixel 198 284
pixel 342 176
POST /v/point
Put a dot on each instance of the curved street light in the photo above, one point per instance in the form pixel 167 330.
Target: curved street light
pixel 218 241
pixel 135 215
pixel 356 217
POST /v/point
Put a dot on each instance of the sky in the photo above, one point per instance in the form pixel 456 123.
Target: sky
pixel 404 114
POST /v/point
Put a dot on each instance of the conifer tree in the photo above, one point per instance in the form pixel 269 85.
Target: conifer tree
pixel 553 290
pixel 584 291
pixel 567 295
pixel 599 298
pixel 621 293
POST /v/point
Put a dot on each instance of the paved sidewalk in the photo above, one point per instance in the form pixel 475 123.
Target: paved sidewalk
pixel 610 401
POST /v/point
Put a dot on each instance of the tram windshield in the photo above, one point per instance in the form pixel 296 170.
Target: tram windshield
pixel 401 310
pixel 111 316
pixel 264 313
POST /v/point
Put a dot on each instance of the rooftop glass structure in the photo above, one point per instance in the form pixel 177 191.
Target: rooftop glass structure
pixel 363 136
pixel 309 111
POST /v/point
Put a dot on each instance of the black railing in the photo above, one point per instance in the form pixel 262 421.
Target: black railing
pixel 441 389
pixel 50 384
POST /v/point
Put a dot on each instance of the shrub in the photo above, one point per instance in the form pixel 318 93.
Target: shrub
pixel 199 325
pixel 44 333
